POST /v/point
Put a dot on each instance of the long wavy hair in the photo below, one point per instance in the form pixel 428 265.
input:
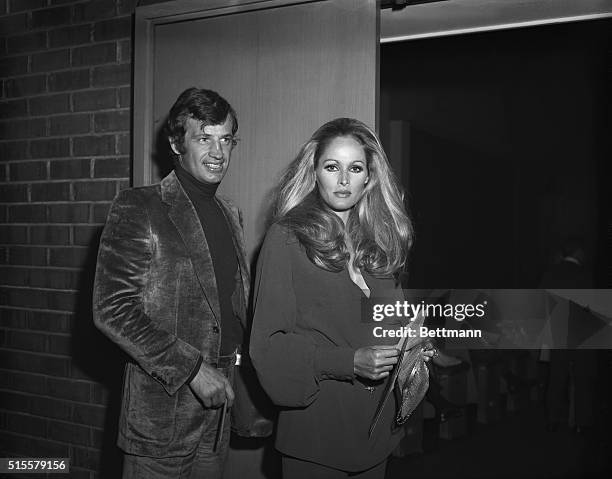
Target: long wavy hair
pixel 378 227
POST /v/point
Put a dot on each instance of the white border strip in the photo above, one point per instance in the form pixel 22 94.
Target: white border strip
pixel 489 28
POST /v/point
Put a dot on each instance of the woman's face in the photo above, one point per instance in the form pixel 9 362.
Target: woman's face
pixel 342 174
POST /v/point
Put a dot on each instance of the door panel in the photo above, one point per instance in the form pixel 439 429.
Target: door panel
pixel 285 67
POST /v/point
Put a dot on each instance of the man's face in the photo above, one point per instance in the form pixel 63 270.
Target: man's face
pixel 207 150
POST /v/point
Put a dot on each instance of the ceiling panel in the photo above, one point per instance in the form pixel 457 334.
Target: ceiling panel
pixel 452 17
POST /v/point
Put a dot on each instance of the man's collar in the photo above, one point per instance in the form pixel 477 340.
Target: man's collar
pixel 170 188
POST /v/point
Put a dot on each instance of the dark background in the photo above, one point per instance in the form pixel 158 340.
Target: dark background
pixel 509 150
pixel 506 155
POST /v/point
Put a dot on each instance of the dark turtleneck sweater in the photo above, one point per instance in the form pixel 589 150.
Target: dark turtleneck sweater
pixel 221 247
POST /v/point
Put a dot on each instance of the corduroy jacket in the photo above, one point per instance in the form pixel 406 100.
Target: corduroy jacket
pixel 155 295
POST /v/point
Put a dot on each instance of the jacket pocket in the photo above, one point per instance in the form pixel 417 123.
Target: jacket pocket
pixel 150 412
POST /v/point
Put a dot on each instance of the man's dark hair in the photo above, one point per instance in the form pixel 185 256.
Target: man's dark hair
pixel 206 106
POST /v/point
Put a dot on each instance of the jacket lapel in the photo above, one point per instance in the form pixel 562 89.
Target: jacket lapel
pixel 234 221
pixel 184 217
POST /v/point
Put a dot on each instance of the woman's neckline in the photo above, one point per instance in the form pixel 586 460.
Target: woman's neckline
pixel 355 276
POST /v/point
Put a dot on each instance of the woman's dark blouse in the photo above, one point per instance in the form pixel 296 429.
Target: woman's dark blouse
pixel 306 329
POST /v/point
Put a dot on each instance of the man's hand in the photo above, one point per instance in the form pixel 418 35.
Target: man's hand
pixel 375 362
pixel 212 387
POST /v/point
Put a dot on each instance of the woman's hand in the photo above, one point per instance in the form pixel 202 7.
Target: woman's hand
pixel 428 353
pixel 375 362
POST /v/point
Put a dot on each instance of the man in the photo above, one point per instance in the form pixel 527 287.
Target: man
pixel 171 287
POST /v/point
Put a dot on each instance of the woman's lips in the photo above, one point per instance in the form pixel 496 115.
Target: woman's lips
pixel 342 194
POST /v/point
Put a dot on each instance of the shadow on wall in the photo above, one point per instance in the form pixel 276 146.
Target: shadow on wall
pixel 162 153
pixel 101 361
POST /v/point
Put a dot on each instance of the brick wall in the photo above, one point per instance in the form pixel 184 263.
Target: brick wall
pixel 65 71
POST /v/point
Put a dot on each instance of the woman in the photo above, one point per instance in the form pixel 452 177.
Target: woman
pixel 341 234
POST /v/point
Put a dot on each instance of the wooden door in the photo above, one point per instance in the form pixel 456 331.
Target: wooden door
pixel 286 67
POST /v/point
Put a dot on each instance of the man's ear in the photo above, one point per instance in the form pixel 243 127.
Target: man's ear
pixel 173 146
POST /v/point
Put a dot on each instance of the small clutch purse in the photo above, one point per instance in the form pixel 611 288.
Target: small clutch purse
pixel 412 379
pixel 412 383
